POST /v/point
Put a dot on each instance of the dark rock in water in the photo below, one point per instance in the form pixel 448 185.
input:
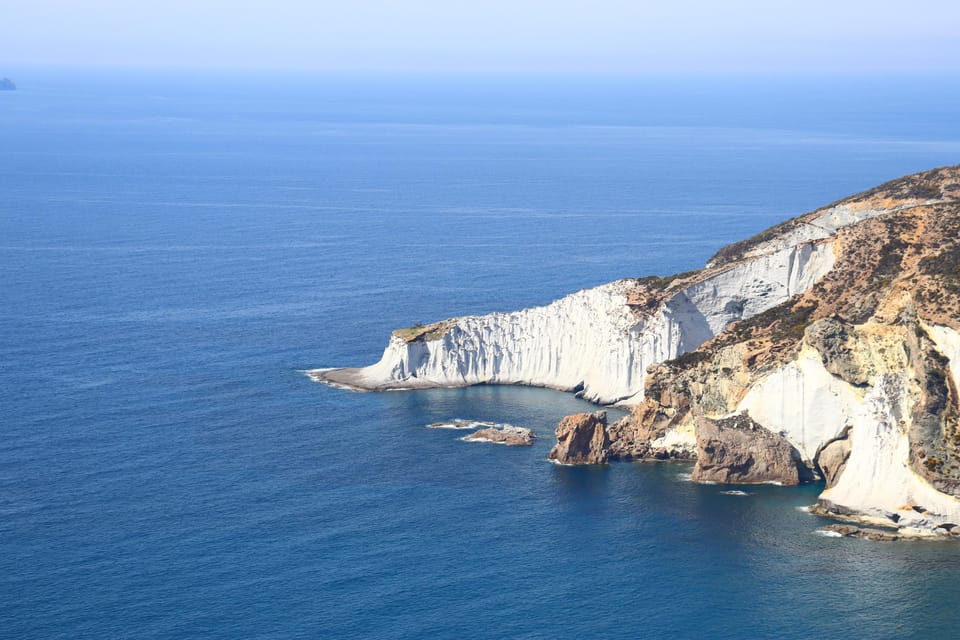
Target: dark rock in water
pixel 6 84
pixel 737 450
pixel 582 439
pixel 826 508
pixel 850 531
pixel 507 434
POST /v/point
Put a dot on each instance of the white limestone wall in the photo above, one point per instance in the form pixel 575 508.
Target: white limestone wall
pixel 823 226
pixel 948 343
pixel 877 480
pixel 591 339
pixel 755 285
pixel 804 402
pixel 835 218
pixel 811 407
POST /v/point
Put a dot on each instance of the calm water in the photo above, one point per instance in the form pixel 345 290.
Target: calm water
pixel 175 249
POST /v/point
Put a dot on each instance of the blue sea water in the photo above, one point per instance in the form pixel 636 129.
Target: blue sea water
pixel 175 249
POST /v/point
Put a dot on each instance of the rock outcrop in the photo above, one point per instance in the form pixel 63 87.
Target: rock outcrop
pixel 582 439
pixel 736 450
pixel 832 459
pixel 890 534
pixel 596 342
pixel 506 434
pixel 859 373
pixel 837 332
pixel 850 531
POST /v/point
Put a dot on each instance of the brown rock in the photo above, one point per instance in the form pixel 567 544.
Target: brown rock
pixel 737 450
pixel 832 458
pixel 509 435
pixel 582 439
pixel 633 437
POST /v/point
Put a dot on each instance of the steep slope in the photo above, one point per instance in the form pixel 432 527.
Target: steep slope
pixel 859 373
pixel 598 342
pixel 828 345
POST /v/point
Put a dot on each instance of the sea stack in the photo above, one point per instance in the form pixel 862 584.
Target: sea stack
pixel 582 439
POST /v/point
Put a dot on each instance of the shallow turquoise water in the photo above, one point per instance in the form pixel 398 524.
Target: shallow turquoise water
pixel 175 250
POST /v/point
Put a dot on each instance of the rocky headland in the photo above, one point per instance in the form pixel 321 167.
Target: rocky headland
pixel 825 347
pixel 6 84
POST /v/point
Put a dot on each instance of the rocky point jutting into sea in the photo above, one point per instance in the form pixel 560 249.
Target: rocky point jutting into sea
pixel 827 346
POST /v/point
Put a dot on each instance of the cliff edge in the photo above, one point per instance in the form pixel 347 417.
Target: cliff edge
pixel 826 346
pixel 597 342
pixel 858 375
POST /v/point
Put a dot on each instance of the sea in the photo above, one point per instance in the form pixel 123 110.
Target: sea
pixel 176 248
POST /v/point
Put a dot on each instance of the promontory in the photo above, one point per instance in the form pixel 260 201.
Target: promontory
pixel 826 347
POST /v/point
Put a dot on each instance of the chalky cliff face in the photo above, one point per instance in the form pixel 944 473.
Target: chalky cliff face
pixel 598 342
pixel 858 374
pixel 828 345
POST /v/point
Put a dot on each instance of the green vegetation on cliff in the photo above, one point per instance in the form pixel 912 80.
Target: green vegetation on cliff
pixel 423 333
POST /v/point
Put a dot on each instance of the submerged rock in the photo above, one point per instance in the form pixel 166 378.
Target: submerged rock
pixel 505 434
pixel 851 531
pixel 460 423
pixel 737 450
pixel 582 439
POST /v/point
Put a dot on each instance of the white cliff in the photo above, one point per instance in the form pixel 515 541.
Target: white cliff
pixel 948 343
pixel 829 343
pixel 803 402
pixel 811 407
pixel 812 227
pixel 591 341
pixel 873 413
pixel 878 483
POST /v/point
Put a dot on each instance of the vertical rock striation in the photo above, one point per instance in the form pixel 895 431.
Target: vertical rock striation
pixel 597 342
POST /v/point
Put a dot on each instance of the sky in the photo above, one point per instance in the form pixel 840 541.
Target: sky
pixel 595 36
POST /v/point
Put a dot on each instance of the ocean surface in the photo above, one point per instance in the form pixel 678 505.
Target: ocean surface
pixel 175 249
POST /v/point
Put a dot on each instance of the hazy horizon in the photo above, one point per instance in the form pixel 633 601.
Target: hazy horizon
pixel 424 36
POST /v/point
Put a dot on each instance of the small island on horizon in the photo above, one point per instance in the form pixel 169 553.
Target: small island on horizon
pixel 6 84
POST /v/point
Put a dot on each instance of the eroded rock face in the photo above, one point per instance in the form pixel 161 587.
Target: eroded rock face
pixel 837 332
pixel 832 459
pixel 859 373
pixel 737 450
pixel 582 439
pixel 508 435
pixel 597 342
